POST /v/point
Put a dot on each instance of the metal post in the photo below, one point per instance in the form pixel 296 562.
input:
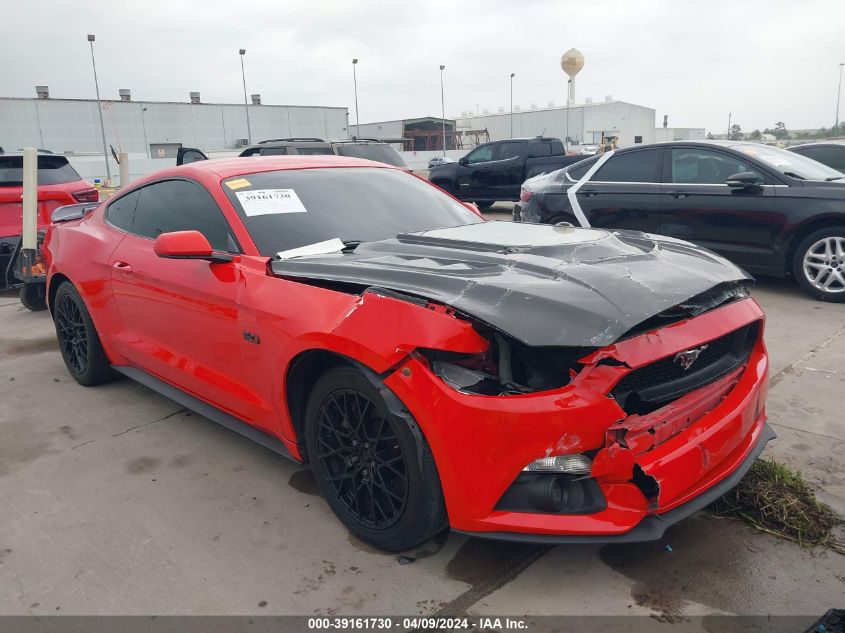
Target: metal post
pixel 729 126
pixel 442 108
pixel 242 52
pixel 123 165
pixel 568 91
pixel 512 76
pixel 29 235
pixel 838 94
pixel 355 82
pixel 100 110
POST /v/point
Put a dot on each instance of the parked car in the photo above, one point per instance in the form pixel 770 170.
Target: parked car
pixel 357 148
pixel 770 211
pixel 830 153
pixel 58 184
pixel 436 161
pixel 508 380
pixel 494 171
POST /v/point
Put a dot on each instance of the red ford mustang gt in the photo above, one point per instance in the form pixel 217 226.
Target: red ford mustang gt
pixel 516 381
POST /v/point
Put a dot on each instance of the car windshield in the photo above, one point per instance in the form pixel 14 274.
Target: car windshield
pixel 380 153
pixel 289 209
pixel 52 170
pixel 789 163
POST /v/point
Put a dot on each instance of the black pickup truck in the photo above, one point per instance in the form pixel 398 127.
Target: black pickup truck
pixel 494 171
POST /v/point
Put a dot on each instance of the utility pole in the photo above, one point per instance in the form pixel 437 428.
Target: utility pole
pixel 838 94
pixel 512 76
pixel 355 83
pixel 242 52
pixel 729 125
pixel 100 110
pixel 443 108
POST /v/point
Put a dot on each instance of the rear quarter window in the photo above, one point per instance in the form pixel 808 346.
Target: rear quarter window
pixel 52 170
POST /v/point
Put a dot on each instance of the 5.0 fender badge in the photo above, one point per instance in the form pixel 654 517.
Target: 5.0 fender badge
pixel 687 358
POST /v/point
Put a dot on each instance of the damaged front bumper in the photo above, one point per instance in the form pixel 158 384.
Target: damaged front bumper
pixel 482 443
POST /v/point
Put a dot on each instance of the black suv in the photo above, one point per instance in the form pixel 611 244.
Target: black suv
pixel 770 211
pixel 371 149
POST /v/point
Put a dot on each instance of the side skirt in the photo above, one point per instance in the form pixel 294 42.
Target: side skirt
pixel 203 408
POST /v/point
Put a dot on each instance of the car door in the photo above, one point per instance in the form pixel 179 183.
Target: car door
pixel 474 172
pixel 699 206
pixel 625 192
pixel 185 155
pixel 180 317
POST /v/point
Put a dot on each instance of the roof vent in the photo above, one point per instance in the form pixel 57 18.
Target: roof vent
pixel 195 97
pixel 43 92
pixel 256 99
pixel 125 94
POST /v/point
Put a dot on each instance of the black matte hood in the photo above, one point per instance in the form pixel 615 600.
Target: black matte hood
pixel 541 284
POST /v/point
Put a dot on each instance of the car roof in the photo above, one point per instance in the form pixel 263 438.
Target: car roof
pixel 228 167
pixel 836 143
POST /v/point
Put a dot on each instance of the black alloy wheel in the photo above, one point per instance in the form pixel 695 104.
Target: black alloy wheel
pixel 371 461
pixel 73 336
pixel 359 453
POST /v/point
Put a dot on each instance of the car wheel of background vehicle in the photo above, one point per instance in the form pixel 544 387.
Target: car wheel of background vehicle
pixel 564 218
pixel 78 339
pixel 484 204
pixel 445 186
pixel 374 468
pixel 33 297
pixel 819 264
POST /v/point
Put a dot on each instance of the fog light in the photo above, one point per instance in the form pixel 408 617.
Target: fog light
pixel 575 464
pixel 546 494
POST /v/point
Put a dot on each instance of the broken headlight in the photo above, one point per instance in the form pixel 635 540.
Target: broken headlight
pixel 574 464
pixel 508 367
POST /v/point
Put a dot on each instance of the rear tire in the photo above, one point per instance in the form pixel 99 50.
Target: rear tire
pixel 33 297
pixel 819 264
pixel 564 218
pixel 373 467
pixel 79 342
pixel 484 204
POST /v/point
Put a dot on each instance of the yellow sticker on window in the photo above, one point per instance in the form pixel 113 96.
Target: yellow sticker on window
pixel 240 183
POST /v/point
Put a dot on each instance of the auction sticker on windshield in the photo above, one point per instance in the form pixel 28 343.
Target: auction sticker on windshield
pixel 269 201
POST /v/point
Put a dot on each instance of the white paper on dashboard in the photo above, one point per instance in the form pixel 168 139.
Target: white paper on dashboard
pixel 333 245
pixel 270 201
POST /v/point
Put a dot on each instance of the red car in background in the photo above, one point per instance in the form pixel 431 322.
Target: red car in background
pixel 58 185
pixel 515 381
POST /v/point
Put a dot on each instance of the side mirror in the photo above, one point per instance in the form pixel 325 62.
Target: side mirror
pixel 742 180
pixel 462 161
pixel 187 245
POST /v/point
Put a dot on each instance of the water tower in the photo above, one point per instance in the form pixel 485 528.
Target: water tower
pixel 572 62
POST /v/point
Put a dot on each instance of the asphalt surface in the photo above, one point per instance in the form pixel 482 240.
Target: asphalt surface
pixel 114 500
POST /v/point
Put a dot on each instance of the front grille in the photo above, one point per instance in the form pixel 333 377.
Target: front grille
pixel 650 387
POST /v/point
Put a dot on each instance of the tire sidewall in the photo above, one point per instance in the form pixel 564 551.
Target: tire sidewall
pixel 410 528
pixel 798 264
pixel 91 374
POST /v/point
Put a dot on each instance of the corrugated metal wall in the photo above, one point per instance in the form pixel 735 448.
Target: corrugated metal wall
pixel 70 125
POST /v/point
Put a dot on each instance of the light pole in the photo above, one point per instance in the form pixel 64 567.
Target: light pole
pixel 838 94
pixel 729 125
pixel 355 83
pixel 512 76
pixel 246 104
pixel 443 108
pixel 100 110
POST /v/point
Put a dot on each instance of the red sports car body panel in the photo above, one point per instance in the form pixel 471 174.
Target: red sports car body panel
pixel 229 333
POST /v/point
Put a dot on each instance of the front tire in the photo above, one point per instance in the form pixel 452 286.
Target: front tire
pixel 819 264
pixel 374 468
pixel 79 342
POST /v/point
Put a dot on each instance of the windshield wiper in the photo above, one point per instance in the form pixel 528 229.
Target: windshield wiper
pixel 834 178
pixel 792 174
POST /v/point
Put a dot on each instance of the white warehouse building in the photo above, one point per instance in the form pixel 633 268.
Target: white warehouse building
pixel 151 132
pixel 582 124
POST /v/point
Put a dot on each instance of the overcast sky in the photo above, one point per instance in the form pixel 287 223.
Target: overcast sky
pixel 765 61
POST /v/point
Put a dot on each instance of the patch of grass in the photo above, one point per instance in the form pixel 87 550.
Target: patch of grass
pixel 775 499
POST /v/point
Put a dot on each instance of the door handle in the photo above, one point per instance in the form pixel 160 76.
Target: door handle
pixel 680 194
pixel 122 267
pixel 589 192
